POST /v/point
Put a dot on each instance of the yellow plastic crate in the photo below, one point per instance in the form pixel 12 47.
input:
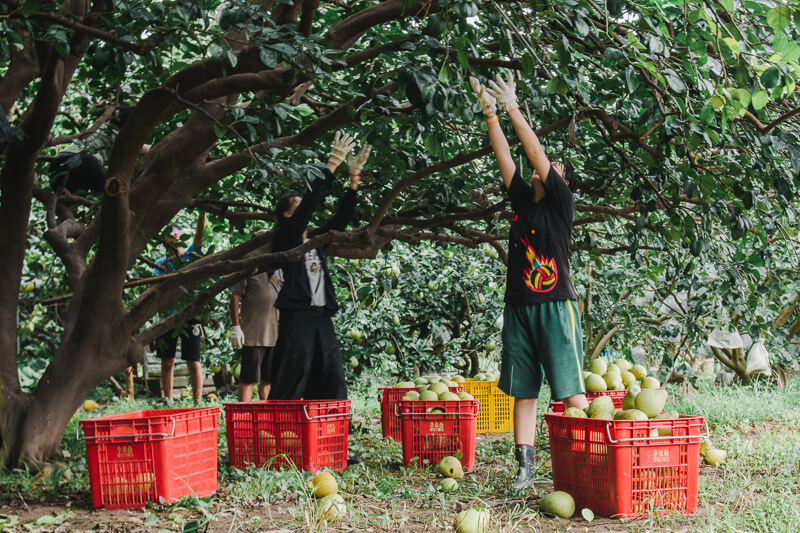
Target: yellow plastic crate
pixel 496 413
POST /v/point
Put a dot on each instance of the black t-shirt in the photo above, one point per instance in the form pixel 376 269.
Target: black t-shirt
pixel 538 244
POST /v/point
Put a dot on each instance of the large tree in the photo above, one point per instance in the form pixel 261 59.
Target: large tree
pixel 678 115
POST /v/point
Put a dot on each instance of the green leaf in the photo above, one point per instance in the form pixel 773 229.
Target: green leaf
pixel 631 78
pixel 733 44
pixel 741 95
pixel 552 86
pixel 268 57
pixel 779 18
pixel 727 4
pixel 581 26
pixel 791 52
pixel 771 77
pixel 756 260
pixel 528 64
pixel 587 514
pixel 717 102
pixel 675 83
pixel 759 99
pixel 30 7
pixel 707 114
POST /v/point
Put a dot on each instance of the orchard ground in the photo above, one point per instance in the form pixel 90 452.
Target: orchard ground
pixel 757 489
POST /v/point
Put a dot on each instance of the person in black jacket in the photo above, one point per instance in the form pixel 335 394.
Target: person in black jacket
pixel 307 362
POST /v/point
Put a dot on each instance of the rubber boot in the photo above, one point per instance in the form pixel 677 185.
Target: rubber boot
pixel 526 461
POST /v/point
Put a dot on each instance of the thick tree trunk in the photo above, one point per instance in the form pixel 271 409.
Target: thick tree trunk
pixel 33 424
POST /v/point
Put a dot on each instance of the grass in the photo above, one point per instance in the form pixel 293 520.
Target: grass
pixel 756 490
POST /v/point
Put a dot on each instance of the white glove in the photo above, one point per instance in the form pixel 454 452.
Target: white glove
pixel 237 337
pixel 487 101
pixel 505 92
pixel 356 162
pixel 342 145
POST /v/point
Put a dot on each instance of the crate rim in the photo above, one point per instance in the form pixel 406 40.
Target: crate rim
pixel 173 413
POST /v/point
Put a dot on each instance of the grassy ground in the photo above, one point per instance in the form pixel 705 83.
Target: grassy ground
pixel 756 490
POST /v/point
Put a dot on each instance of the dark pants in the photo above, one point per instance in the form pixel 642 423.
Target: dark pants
pixel 77 172
pixel 190 335
pixel 307 362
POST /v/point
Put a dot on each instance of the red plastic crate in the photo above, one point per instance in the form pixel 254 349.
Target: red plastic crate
pixel 149 454
pixel 615 468
pixel 310 434
pixel 390 423
pixel 616 396
pixel 432 436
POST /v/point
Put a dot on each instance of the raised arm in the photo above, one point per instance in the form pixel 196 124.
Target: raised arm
pixel 347 207
pixel 505 92
pixel 502 153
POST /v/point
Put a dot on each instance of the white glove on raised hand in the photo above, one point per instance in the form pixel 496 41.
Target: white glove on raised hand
pixel 356 162
pixel 343 144
pixel 504 91
pixel 237 337
pixel 487 101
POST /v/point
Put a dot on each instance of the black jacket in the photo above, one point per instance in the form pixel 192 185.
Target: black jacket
pixel 296 291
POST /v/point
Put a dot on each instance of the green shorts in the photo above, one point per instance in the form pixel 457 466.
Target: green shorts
pixel 542 340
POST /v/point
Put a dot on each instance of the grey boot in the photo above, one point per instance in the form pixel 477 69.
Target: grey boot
pixel 526 461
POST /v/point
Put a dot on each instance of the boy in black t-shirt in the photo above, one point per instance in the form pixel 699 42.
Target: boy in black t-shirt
pixel 541 326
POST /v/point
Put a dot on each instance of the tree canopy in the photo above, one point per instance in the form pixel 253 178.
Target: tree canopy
pixel 680 118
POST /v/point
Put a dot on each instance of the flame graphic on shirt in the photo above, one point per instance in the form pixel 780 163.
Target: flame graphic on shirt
pixel 542 274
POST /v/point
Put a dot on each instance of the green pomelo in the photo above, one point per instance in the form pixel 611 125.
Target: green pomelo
pixel 632 414
pixel 598 366
pixel 628 378
pixel 651 401
pixel 428 396
pixel 558 503
pixel 628 402
pixel 575 412
pixel 420 381
pixel 601 404
pixel 458 379
pixel 472 521
pixel 438 387
pixel 623 364
pixel 465 396
pixel 613 380
pixel 448 484
pixel 405 385
pixel 411 395
pixel 451 467
pixel 650 383
pixel 613 368
pixel 595 383
pixel 448 396
pixel 639 371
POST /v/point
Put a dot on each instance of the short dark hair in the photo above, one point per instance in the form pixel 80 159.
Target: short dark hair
pixel 283 205
pixel 174 224
pixel 569 175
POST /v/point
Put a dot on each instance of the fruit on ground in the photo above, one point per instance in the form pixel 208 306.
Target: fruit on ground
pixel 448 484
pixel 715 457
pixel 651 401
pixel 331 508
pixel 650 383
pixel 598 366
pixel 705 446
pixel 558 503
pixel 323 484
pixel 601 404
pixel 574 411
pixel 451 467
pixel 596 383
pixel 184 394
pixel 639 371
pixel 90 405
pixel 472 521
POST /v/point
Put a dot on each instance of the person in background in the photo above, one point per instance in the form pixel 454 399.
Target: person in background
pixel 542 333
pixel 190 332
pixel 254 329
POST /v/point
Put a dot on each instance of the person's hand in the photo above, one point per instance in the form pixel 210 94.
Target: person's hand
pixel 237 337
pixel 356 162
pixel 486 100
pixel 343 144
pixel 504 91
